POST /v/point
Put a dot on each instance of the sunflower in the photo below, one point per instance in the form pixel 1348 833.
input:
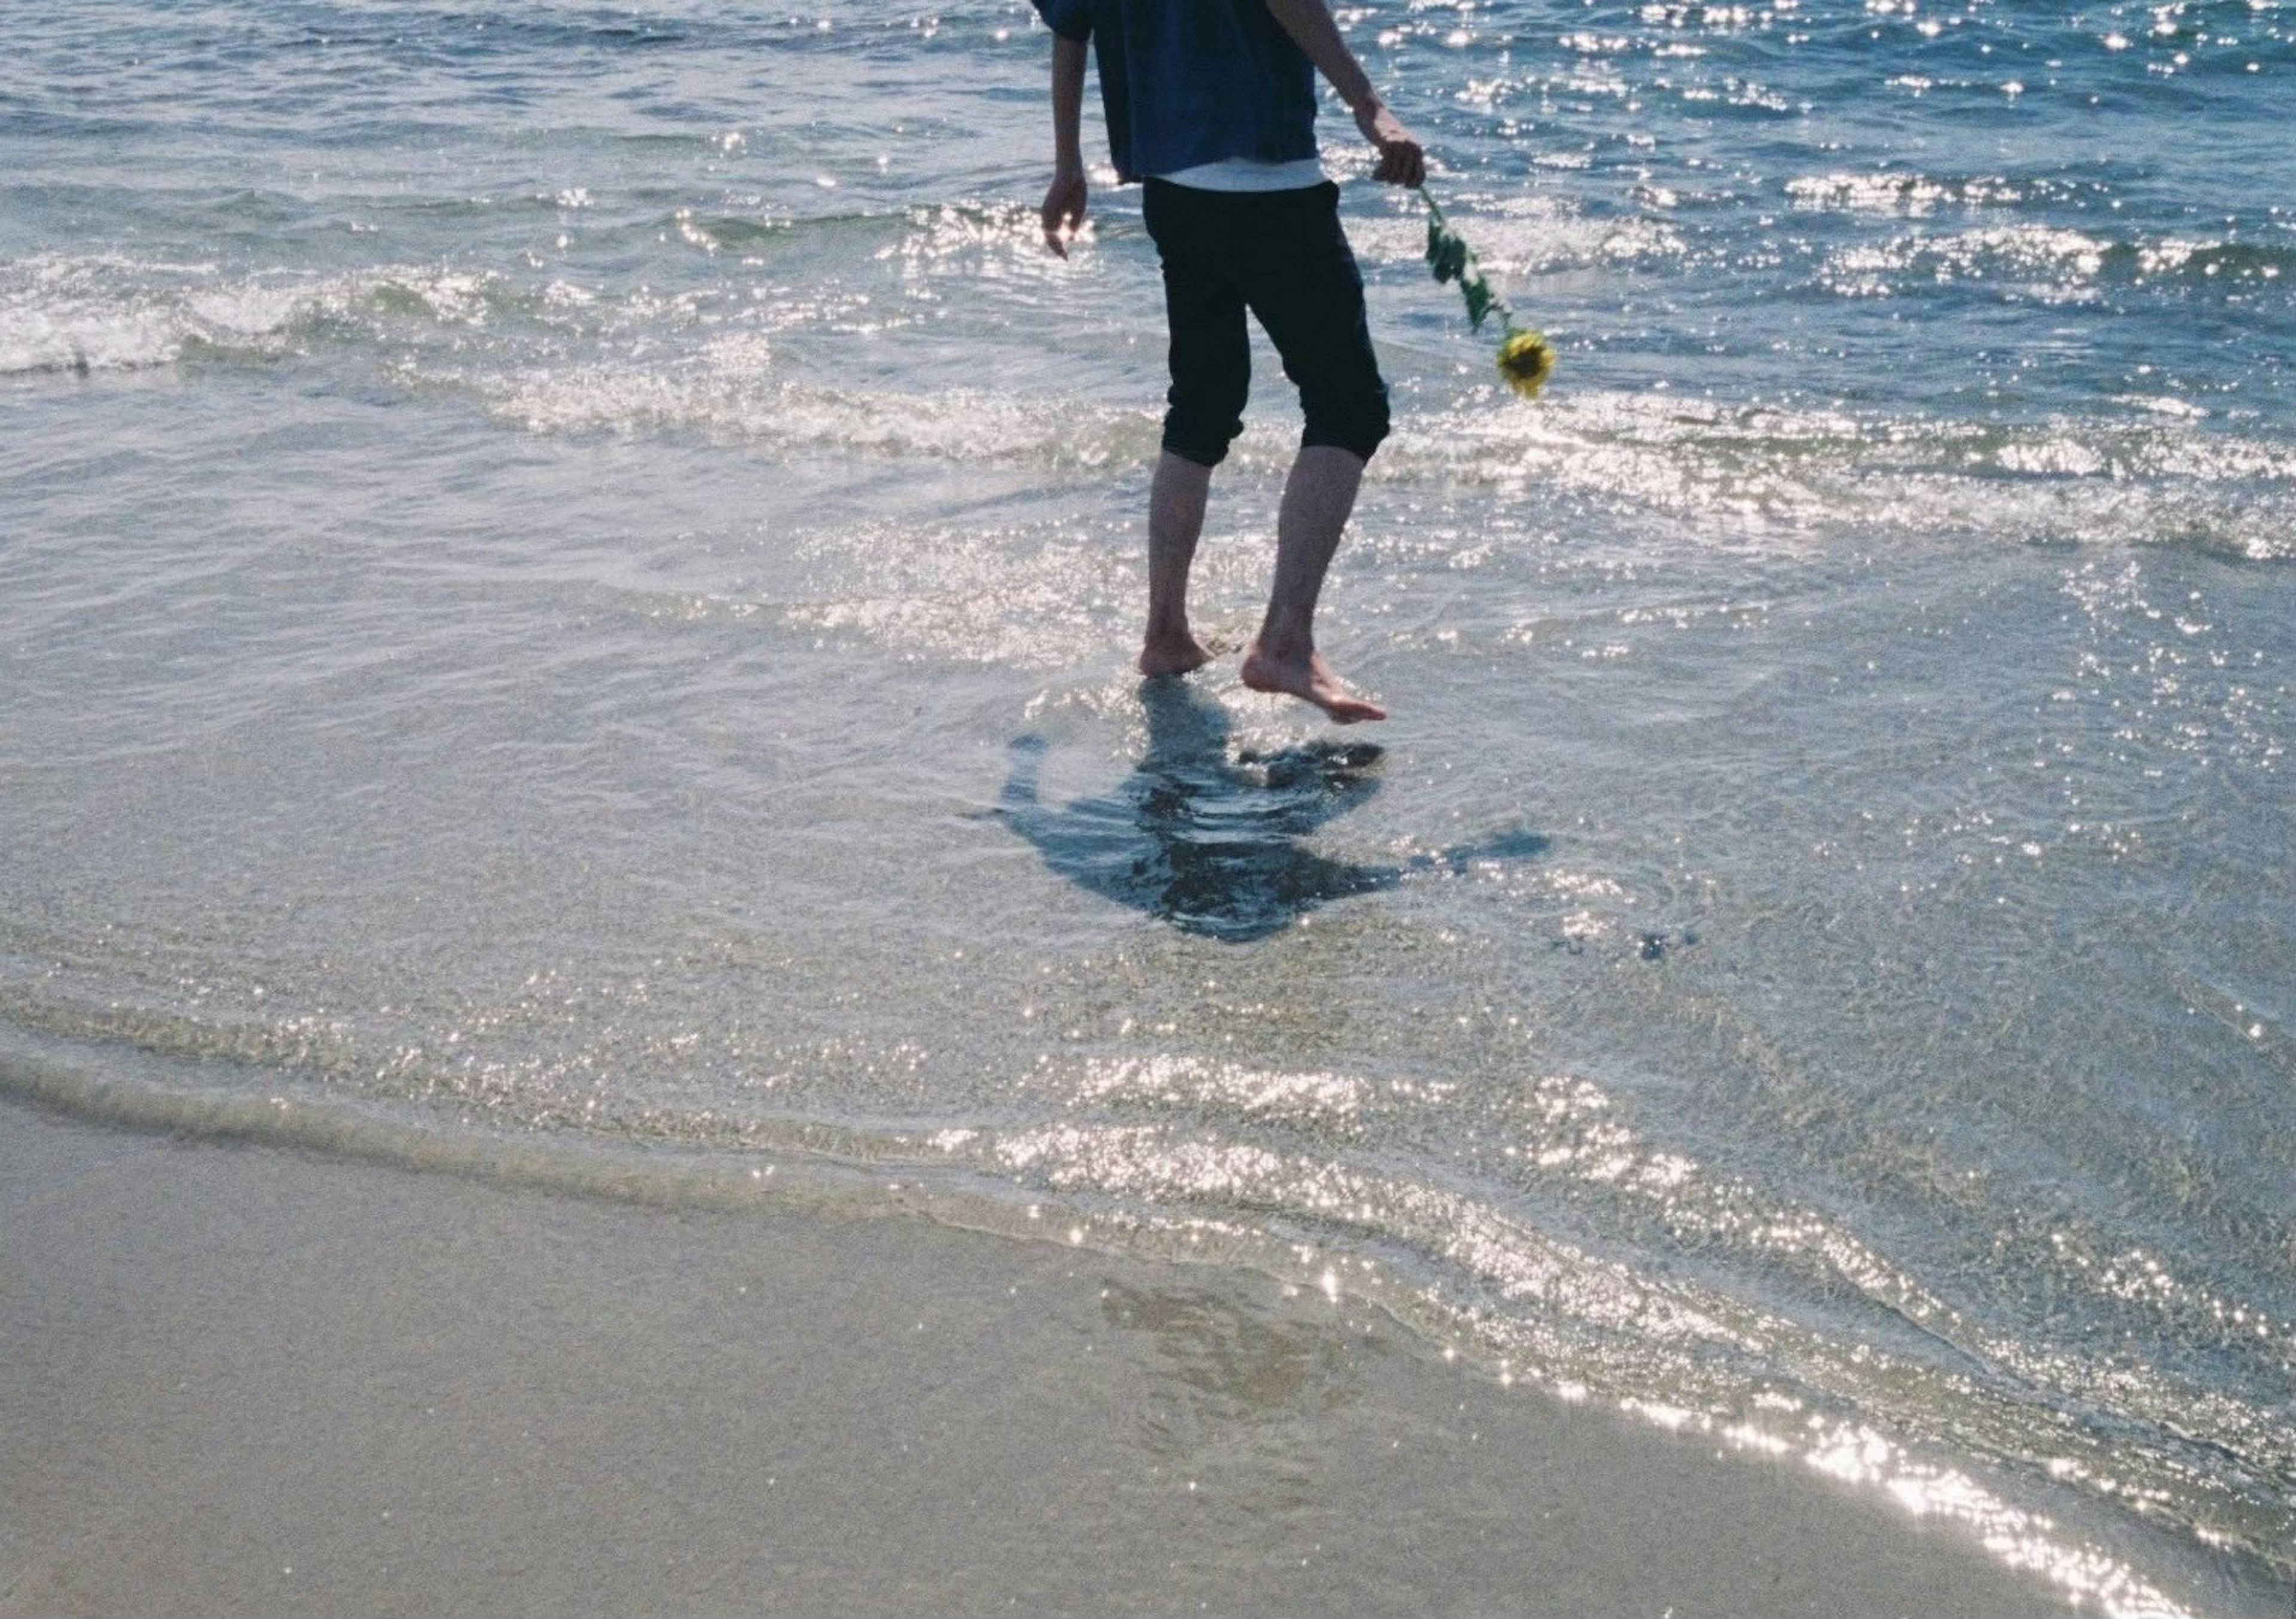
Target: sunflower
pixel 1526 359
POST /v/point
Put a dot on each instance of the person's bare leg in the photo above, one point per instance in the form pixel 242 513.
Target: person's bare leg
pixel 1282 658
pixel 1175 519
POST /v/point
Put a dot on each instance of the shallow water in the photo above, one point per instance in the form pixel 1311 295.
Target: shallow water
pixel 567 571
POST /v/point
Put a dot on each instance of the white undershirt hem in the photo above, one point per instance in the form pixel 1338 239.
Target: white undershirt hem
pixel 1250 174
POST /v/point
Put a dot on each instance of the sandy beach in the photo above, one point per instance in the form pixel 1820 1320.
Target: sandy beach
pixel 615 995
pixel 245 1379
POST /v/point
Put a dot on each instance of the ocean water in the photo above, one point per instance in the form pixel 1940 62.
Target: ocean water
pixel 567 574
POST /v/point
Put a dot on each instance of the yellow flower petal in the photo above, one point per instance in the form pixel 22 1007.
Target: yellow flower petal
pixel 1526 361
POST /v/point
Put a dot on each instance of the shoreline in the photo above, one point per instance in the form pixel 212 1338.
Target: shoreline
pixel 248 1378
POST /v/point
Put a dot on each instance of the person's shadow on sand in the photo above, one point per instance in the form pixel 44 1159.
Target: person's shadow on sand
pixel 1210 843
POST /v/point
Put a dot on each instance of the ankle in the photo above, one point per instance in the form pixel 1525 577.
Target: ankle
pixel 1284 644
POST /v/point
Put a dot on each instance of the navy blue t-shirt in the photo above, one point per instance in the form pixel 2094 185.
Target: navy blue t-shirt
pixel 1185 82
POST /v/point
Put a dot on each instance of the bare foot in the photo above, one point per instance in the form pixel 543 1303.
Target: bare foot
pixel 1310 680
pixel 1172 655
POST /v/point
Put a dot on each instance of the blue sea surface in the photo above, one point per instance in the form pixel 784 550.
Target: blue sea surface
pixel 568 571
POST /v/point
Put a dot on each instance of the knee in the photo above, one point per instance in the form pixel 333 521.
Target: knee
pixel 1355 420
pixel 1202 422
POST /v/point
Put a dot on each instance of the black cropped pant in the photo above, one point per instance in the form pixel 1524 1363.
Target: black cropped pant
pixel 1283 255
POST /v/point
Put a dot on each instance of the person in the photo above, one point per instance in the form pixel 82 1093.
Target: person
pixel 1212 103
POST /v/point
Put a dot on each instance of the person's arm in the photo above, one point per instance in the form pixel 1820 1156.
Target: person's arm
pixel 1402 162
pixel 1064 199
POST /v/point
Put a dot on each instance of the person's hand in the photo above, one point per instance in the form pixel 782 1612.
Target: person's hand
pixel 1402 160
pixel 1063 210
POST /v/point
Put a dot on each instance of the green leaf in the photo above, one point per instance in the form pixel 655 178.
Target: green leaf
pixel 1446 255
pixel 1479 300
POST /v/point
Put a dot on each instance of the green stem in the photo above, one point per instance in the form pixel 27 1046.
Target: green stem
pixel 1507 327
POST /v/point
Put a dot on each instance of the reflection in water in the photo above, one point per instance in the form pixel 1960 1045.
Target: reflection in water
pixel 1210 843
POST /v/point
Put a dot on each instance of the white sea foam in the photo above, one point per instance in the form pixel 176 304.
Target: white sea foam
pixel 1776 471
pixel 2160 469
pixel 107 312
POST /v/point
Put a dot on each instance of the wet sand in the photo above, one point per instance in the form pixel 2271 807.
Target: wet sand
pixel 246 1380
